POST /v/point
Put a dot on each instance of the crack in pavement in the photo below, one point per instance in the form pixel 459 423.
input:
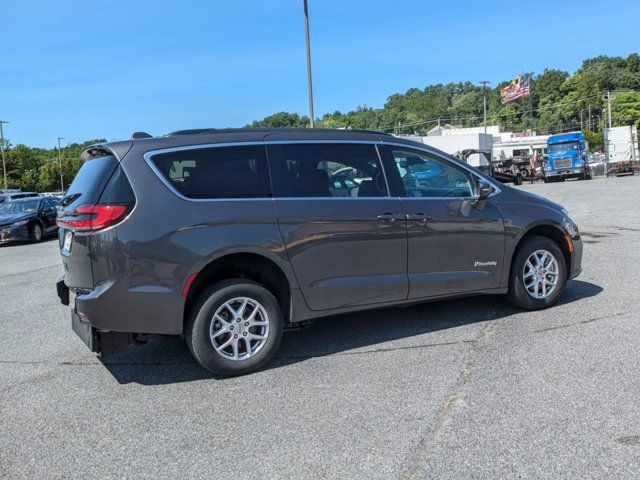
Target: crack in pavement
pixel 589 320
pixel 447 412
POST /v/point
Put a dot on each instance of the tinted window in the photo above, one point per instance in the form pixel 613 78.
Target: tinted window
pixel 118 190
pixel 46 204
pixel 331 170
pixel 224 172
pixel 424 175
pixel 19 206
pixel 50 202
pixel 89 182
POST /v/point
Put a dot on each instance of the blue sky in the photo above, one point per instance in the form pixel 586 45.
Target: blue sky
pixel 88 69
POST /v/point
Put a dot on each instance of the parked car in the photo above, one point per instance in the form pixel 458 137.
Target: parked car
pixel 231 237
pixel 30 218
pixel 9 195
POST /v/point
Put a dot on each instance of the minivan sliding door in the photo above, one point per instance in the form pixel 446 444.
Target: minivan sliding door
pixel 345 237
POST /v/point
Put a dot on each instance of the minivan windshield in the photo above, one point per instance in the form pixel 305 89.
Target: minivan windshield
pixel 563 147
pixel 19 206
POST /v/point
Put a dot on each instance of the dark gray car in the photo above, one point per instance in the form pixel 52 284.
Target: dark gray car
pixel 232 237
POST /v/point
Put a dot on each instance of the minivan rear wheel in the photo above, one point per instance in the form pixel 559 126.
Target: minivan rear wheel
pixel 538 274
pixel 234 327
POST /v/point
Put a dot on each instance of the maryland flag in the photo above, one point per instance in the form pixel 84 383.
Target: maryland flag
pixel 518 88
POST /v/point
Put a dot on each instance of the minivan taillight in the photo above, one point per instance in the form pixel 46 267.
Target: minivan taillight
pixel 89 218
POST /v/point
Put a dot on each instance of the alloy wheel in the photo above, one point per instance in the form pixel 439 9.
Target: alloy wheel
pixel 540 274
pixel 239 328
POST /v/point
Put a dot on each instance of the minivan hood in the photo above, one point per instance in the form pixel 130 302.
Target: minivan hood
pixel 536 199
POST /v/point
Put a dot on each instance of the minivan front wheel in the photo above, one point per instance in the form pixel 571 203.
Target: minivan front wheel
pixel 538 274
pixel 234 327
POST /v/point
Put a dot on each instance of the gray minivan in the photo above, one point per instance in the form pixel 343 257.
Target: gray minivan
pixel 230 237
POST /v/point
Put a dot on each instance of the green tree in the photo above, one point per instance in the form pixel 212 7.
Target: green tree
pixel 595 140
pixel 625 108
pixel 281 120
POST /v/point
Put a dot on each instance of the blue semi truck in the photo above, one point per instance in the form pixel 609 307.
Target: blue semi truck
pixel 567 157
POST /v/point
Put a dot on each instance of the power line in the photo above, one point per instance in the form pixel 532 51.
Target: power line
pixel 475 117
pixel 499 114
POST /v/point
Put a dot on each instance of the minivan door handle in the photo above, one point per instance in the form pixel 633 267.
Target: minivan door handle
pixel 420 218
pixel 388 217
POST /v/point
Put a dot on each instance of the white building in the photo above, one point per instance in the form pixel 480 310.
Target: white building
pixel 452 139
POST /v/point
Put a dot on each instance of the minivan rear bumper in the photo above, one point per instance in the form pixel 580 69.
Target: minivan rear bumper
pixel 114 305
pixel 102 342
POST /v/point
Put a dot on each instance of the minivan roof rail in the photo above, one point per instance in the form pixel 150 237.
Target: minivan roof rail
pixel 200 131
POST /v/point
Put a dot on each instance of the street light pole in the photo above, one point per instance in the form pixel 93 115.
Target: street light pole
pixel 309 82
pixel 484 102
pixel 4 165
pixel 60 163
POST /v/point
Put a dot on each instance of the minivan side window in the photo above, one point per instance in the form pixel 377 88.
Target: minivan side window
pixel 217 172
pixel 332 170
pixel 425 175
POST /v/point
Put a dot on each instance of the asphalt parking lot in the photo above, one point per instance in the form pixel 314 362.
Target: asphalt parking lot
pixel 458 389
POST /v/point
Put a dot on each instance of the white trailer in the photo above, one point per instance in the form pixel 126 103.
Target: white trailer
pixel 621 144
pixel 456 143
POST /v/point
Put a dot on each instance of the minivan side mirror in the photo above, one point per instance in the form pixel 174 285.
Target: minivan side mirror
pixel 484 190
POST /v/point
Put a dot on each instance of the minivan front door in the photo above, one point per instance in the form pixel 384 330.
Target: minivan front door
pixel 345 237
pixel 456 244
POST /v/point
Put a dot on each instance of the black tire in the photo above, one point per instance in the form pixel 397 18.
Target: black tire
pixel 35 232
pixel 519 179
pixel 518 294
pixel 200 318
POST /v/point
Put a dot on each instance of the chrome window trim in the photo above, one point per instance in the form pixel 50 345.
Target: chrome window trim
pixel 151 153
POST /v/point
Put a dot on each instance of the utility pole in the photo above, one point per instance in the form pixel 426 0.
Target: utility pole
pixel 484 103
pixel 590 127
pixel 309 82
pixel 4 165
pixel 60 163
pixel 608 98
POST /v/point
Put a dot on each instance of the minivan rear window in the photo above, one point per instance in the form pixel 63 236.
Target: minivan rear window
pixel 89 182
pixel 217 172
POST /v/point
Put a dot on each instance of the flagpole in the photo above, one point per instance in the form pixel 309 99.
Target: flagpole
pixel 531 104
